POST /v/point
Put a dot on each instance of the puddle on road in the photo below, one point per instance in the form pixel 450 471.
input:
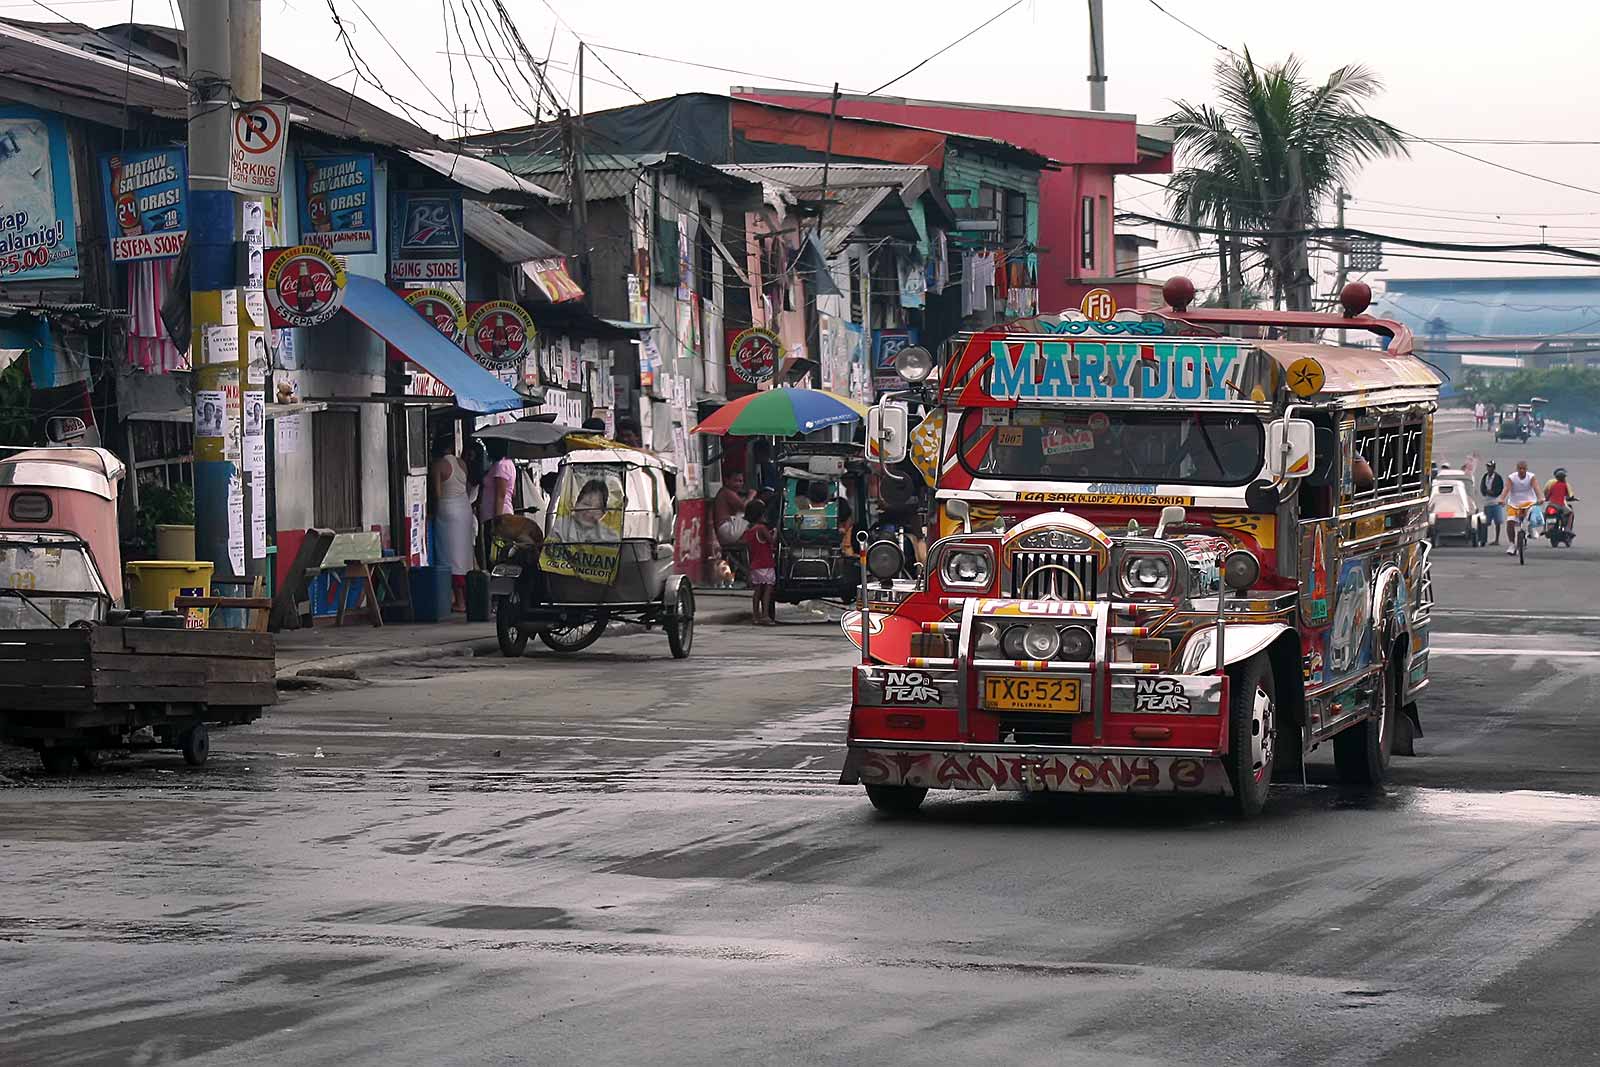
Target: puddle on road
pixel 1522 806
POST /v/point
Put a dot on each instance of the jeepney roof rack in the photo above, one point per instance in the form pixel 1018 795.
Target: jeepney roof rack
pixel 1354 299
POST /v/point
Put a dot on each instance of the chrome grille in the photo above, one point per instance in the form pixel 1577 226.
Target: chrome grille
pixel 1029 583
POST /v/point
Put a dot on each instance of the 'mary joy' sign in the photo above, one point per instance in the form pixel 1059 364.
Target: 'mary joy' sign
pixel 1112 370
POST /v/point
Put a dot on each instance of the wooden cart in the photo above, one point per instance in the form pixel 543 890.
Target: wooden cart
pixel 71 693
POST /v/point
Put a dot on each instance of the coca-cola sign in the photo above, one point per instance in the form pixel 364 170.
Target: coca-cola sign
pixel 305 286
pixel 499 334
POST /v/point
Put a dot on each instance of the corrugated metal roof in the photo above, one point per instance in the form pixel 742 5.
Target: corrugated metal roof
pixel 479 175
pixel 855 190
pixel 508 241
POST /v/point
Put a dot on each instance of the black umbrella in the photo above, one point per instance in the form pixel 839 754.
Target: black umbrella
pixel 528 440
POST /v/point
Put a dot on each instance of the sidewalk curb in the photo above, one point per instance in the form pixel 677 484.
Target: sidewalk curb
pixel 355 661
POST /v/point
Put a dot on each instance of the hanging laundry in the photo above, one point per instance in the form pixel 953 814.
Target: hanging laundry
pixel 150 349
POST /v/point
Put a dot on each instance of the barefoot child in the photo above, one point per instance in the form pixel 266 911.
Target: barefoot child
pixel 759 540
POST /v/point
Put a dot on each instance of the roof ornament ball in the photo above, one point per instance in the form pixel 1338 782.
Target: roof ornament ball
pixel 1178 292
pixel 1355 298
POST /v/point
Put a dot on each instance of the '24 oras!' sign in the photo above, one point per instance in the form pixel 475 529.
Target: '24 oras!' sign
pixel 146 211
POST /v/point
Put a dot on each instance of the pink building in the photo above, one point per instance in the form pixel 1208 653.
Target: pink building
pixel 1076 203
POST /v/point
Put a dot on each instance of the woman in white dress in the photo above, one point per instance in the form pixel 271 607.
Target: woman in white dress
pixel 453 522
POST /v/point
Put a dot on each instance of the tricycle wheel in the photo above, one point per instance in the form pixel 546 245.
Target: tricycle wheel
pixel 508 629
pixel 573 638
pixel 680 623
pixel 57 760
pixel 195 744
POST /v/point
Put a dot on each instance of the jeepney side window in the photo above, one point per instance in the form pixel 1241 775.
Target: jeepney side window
pixel 1366 446
pixel 1414 469
pixel 1319 489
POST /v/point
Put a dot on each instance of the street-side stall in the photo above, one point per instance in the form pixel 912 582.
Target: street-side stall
pixel 78 674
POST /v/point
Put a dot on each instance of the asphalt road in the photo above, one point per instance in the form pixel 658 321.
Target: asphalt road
pixel 617 856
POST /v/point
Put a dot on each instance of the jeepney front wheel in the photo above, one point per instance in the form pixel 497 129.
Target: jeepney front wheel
pixel 897 800
pixel 1252 734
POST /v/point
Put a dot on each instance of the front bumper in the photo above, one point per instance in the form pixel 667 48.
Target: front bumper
pixel 1053 769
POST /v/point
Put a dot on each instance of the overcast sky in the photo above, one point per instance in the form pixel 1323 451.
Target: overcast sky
pixel 1467 69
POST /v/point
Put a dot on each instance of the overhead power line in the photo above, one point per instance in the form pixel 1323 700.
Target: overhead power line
pixel 919 65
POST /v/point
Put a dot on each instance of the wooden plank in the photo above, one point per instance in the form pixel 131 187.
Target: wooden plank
pixel 34 653
pixel 243 695
pixel 52 672
pixel 196 643
pixel 45 698
pixel 199 669
pixel 64 638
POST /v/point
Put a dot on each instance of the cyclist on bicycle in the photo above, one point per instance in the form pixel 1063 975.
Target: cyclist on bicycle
pixel 1559 493
pixel 1521 494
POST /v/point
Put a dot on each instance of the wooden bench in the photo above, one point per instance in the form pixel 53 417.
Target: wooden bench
pixel 384 581
pixel 259 607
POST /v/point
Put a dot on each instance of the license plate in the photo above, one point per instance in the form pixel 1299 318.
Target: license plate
pixel 1010 692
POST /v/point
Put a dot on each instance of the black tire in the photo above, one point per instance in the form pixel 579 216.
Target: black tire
pixel 896 800
pixel 195 744
pixel 1405 733
pixel 1522 546
pixel 1252 734
pixel 508 629
pixel 1361 753
pixel 88 759
pixel 573 638
pixel 57 760
pixel 680 623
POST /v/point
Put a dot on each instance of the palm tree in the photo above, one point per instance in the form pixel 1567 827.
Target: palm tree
pixel 1269 155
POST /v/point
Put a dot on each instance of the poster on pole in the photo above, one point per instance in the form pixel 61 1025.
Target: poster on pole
pixel 255 152
pixel 38 227
pixel 336 203
pixel 144 194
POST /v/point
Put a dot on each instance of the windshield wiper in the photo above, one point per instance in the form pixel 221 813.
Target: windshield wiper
pixel 1205 435
pixel 27 599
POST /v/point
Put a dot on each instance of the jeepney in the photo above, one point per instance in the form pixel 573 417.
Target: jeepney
pixel 1168 560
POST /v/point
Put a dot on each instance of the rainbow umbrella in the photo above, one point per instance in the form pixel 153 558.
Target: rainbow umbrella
pixel 781 413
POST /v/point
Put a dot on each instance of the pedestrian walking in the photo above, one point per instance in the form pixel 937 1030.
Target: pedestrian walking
pixel 452 522
pixel 759 539
pixel 1490 488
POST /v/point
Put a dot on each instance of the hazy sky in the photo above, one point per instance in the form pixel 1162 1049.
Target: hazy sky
pixel 1465 69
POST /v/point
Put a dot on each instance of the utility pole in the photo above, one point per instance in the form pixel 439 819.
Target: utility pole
pixel 224 64
pixel 1343 245
pixel 580 203
pixel 1097 55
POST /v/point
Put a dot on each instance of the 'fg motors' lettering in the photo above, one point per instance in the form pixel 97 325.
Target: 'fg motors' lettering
pixel 909 687
pixel 1112 370
pixel 1160 694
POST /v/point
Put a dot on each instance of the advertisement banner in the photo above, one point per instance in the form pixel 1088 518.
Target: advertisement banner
pixel 427 240
pixel 144 195
pixel 38 229
pixel 500 333
pixel 337 200
pixel 305 286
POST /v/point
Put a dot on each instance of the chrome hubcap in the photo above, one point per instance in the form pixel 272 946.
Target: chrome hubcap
pixel 1260 733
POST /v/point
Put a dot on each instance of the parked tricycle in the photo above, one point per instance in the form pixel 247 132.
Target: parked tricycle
pixel 605 550
pixel 816 558
pixel 78 674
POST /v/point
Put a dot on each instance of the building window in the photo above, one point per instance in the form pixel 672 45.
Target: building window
pixel 162 453
pixel 1105 235
pixel 1086 241
pixel 705 257
pixel 1015 223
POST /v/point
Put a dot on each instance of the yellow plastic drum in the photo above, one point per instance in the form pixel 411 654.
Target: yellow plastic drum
pixel 153 585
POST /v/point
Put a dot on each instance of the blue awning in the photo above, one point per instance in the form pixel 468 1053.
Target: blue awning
pixel 397 322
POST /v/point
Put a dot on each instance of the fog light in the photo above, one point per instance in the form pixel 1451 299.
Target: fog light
pixel 1077 643
pixel 1041 641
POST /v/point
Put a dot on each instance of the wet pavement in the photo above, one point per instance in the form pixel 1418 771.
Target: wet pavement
pixel 617 855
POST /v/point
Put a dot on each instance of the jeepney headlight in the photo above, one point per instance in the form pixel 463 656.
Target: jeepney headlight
pixel 1146 574
pixel 967 567
pixel 1077 644
pixel 884 560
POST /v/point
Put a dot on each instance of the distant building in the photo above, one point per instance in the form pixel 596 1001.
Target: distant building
pixel 1498 325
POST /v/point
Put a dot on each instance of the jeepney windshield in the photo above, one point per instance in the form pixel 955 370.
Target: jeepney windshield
pixel 1111 445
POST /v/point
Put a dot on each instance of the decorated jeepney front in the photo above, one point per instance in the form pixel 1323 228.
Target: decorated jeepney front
pixel 1098 490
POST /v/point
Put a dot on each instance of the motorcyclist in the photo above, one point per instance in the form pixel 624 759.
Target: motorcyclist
pixel 1490 488
pixel 1559 492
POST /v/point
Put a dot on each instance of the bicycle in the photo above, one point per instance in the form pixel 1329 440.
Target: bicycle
pixel 1519 514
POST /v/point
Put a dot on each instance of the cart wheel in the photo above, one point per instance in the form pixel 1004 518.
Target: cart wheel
pixel 195 744
pixel 573 638
pixel 508 629
pixel 57 760
pixel 680 623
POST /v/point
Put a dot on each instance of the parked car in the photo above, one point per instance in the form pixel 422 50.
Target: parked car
pixel 1454 513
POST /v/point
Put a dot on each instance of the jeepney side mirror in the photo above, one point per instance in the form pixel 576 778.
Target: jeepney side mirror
pixel 1291 448
pixel 888 433
pixel 961 512
pixel 1171 515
